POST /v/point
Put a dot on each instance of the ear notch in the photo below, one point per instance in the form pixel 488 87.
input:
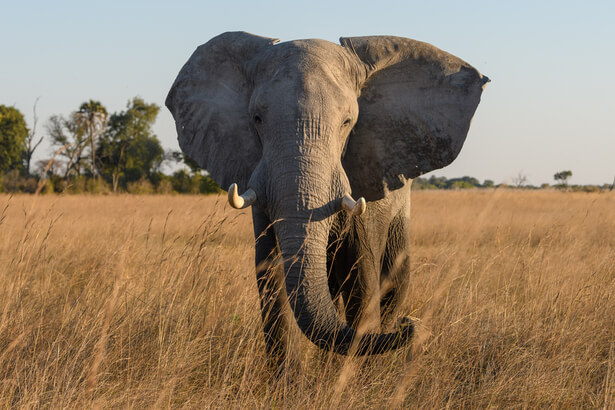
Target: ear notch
pixel 209 102
pixel 415 110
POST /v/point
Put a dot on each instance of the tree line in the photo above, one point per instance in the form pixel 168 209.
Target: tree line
pixel 93 150
pixel 518 182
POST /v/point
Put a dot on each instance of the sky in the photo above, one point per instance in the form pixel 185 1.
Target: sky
pixel 548 108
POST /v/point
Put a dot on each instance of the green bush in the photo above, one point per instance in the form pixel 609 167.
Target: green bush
pixel 165 187
pixel 142 186
pixel 209 186
pixel 460 184
pixel 48 186
pixel 183 183
pixel 97 186
pixel 76 185
pixel 57 182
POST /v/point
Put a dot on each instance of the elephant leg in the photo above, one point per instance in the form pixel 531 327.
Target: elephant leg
pixel 357 281
pixel 361 307
pixel 336 256
pixel 270 281
pixel 395 272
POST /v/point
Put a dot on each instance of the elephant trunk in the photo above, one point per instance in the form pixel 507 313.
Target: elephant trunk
pixel 303 245
pixel 308 184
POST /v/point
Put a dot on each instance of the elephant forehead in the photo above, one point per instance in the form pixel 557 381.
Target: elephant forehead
pixel 300 58
pixel 306 50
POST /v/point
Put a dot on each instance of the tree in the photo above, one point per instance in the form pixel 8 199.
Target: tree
pixel 462 183
pixel 13 134
pixel 29 145
pixel 181 158
pixel 562 177
pixel 129 150
pixel 438 182
pixel 520 179
pixel 69 137
pixel 458 183
pixel 197 181
pixel 92 117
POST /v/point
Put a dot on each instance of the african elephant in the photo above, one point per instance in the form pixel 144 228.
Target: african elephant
pixel 299 127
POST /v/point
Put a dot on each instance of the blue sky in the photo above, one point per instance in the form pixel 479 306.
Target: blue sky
pixel 548 108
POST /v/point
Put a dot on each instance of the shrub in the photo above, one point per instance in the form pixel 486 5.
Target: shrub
pixel 209 186
pixel 184 183
pixel 98 186
pixel 142 186
pixel 58 183
pixel 48 186
pixel 461 184
pixel 12 181
pixel 76 185
pixel 165 187
pixel 591 188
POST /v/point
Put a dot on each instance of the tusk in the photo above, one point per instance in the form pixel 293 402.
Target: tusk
pixel 354 208
pixel 240 201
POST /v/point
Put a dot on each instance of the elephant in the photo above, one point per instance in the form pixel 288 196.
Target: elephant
pixel 297 130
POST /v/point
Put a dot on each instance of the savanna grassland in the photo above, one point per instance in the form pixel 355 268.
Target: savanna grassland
pixel 151 301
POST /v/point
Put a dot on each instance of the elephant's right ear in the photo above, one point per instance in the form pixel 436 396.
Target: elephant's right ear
pixel 209 101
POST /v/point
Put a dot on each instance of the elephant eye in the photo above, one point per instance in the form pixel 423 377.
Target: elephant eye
pixel 257 119
pixel 347 122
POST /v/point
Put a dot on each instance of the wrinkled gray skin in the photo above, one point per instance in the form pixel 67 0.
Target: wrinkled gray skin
pixel 303 123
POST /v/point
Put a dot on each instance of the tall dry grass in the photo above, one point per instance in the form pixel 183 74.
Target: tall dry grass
pixel 150 301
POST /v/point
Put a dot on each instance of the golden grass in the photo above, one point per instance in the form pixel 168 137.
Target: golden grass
pixel 150 301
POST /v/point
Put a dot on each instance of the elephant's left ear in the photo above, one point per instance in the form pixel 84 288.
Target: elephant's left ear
pixel 415 109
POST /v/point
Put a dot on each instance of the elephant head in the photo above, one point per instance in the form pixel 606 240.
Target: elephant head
pixel 300 126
